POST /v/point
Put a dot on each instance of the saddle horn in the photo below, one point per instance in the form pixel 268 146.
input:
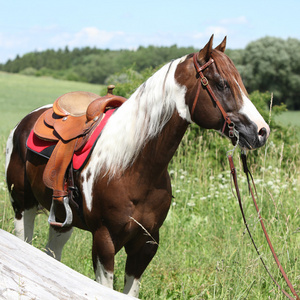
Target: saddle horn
pixel 98 106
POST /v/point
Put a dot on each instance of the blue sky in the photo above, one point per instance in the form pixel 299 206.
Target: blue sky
pixel 32 25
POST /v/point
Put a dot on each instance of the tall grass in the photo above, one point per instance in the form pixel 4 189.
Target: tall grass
pixel 204 251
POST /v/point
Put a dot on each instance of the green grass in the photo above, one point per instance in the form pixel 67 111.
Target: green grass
pixel 289 118
pixel 204 252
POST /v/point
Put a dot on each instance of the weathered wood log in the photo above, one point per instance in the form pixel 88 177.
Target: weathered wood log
pixel 28 273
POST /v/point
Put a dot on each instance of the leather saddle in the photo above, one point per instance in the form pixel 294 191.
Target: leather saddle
pixel 70 122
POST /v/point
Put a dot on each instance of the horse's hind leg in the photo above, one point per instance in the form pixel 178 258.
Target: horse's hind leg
pixel 56 241
pixel 25 225
pixel 21 197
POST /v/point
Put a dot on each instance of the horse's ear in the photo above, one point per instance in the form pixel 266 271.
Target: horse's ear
pixel 204 54
pixel 222 46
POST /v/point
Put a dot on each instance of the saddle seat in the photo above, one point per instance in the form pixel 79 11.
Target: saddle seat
pixel 70 122
pixel 74 103
pixel 74 114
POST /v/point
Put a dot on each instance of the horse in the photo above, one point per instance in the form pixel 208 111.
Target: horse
pixel 125 187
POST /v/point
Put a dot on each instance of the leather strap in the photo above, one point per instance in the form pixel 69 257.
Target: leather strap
pixel 248 174
pixel 56 167
pixel 204 82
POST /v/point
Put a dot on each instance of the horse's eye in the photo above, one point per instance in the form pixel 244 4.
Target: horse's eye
pixel 222 84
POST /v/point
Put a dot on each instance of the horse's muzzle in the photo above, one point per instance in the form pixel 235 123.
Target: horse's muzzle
pixel 250 140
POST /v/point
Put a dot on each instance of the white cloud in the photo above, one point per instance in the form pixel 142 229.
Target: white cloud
pixel 9 42
pixel 238 20
pixel 94 37
pixel 218 31
pixel 201 38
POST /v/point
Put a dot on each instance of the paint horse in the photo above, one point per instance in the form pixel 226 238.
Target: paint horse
pixel 125 187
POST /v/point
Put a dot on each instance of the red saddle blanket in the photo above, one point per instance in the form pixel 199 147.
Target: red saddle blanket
pixel 45 148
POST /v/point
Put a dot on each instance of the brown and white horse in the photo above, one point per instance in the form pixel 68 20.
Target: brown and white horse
pixel 125 186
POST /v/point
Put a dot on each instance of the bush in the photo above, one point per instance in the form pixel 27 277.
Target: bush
pixel 120 78
pixel 29 71
pixel 127 81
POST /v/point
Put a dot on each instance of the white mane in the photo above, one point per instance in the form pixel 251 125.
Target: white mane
pixel 139 119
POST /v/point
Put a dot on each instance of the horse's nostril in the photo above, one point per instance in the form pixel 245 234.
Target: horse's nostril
pixel 262 132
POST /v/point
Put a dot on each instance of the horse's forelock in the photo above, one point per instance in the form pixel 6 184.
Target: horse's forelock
pixel 228 71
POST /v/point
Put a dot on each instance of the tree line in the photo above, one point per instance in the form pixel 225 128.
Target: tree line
pixel 268 64
pixel 91 64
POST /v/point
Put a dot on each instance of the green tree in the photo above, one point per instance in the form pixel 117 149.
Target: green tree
pixel 272 64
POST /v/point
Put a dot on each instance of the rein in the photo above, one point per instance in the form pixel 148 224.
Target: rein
pixel 249 175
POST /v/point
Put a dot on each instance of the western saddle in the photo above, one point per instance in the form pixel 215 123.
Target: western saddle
pixel 70 122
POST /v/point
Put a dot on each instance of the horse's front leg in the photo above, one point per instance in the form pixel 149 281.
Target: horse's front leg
pixel 139 254
pixel 103 257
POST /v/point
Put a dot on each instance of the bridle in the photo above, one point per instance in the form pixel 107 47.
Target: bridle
pixel 234 133
pixel 204 83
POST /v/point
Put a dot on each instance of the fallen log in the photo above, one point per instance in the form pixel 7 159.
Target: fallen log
pixel 28 273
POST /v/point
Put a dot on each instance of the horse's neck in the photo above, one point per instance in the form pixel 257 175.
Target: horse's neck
pixel 159 151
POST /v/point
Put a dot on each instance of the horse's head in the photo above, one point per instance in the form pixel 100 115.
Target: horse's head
pixel 217 98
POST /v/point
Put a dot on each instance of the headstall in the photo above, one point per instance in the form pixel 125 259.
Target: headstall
pixel 204 82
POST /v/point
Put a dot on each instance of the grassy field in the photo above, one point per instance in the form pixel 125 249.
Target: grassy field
pixel 21 94
pixel 289 118
pixel 204 251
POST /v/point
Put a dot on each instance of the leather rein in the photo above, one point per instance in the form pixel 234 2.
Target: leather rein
pixel 234 133
pixel 253 194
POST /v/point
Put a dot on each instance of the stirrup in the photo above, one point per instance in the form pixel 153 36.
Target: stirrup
pixel 69 215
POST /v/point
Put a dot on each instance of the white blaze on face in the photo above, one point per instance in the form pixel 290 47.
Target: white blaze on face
pixel 250 111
